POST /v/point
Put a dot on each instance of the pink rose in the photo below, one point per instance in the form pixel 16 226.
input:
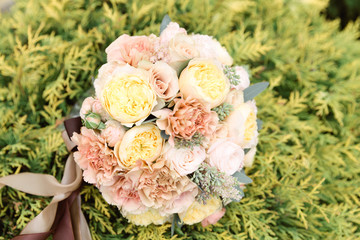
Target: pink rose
pixel 130 49
pixel 183 160
pixel 91 104
pixel 113 132
pixel 188 117
pixel 161 44
pixel 163 80
pixel 124 194
pixel 170 31
pixel 181 49
pixel 94 157
pixel 226 156
pixel 213 218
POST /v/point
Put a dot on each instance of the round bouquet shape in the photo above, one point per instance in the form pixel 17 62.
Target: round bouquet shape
pixel 170 128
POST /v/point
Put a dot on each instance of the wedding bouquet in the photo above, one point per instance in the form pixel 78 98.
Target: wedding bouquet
pixel 170 128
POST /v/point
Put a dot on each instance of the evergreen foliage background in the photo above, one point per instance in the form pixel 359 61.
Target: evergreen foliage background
pixel 306 172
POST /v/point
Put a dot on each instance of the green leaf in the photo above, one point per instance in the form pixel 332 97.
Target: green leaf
pixel 165 21
pixel 254 90
pixel 241 192
pixel 92 115
pixel 242 178
pixel 246 150
pixel 259 124
pixel 164 135
pixel 101 125
pixel 183 66
pixel 91 125
pixel 176 223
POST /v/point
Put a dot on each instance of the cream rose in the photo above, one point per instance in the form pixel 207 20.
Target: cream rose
pixel 183 160
pixel 242 126
pixel 210 48
pixel 150 216
pixel 198 211
pixel 181 49
pixel 204 79
pixel 125 93
pixel 249 157
pixel 235 98
pixel 142 142
pixel 244 81
pixel 226 156
pixel 163 79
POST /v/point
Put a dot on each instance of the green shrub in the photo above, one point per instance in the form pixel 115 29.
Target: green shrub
pixel 306 173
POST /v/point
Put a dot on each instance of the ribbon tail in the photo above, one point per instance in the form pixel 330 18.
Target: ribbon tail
pixel 63 216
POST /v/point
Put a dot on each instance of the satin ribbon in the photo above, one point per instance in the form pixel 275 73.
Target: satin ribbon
pixel 63 217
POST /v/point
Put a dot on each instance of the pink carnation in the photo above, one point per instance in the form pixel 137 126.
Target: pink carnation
pixel 94 157
pixel 124 194
pixel 130 49
pixel 188 117
pixel 213 218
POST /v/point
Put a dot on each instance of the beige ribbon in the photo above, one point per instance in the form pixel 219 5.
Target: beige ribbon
pixel 47 185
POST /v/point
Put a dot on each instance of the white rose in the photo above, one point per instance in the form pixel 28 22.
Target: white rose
pixel 184 160
pixel 209 47
pixel 226 156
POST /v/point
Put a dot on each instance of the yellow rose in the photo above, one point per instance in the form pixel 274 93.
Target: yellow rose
pixel 198 211
pixel 148 217
pixel 142 142
pixel 125 93
pixel 204 79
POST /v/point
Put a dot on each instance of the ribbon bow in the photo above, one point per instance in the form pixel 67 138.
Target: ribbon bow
pixel 63 217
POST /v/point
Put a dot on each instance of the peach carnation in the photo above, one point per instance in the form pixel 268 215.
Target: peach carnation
pixel 94 157
pixel 188 117
pixel 163 189
pixel 130 49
